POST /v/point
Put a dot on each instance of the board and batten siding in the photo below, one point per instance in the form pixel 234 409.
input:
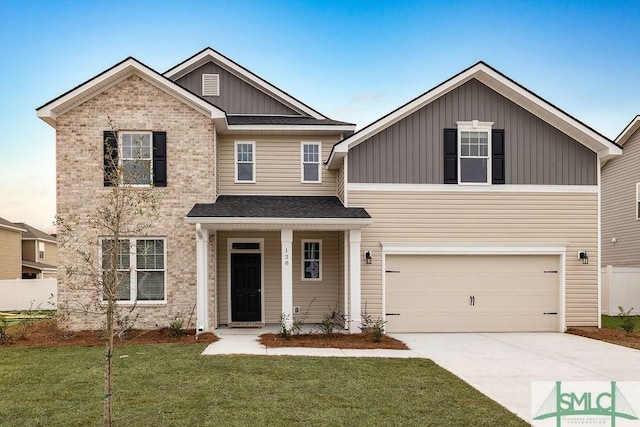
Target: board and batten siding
pixel 619 178
pixel 520 219
pixel 277 168
pixel 318 297
pixel 236 95
pixel 411 150
pixel 10 254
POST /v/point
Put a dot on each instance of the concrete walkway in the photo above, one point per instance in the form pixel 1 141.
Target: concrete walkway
pixel 500 365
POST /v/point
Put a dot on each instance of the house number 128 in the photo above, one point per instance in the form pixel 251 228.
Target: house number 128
pixel 286 256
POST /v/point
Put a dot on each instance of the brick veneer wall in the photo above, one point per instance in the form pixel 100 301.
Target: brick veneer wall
pixel 135 104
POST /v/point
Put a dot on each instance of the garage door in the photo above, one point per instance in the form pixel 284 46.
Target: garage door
pixel 471 293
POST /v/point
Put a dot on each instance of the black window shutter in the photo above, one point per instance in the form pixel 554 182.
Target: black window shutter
pixel 110 146
pixel 160 159
pixel 450 156
pixel 497 156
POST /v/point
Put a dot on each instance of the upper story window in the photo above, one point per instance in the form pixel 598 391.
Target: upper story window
pixel 474 148
pixel 136 158
pixel 210 85
pixel 41 253
pixel 141 266
pixel 311 260
pixel 310 167
pixel 245 161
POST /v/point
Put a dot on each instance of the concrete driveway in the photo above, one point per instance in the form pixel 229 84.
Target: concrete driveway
pixel 503 365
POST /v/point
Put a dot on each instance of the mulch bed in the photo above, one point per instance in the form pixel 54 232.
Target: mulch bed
pixel 613 336
pixel 48 334
pixel 351 341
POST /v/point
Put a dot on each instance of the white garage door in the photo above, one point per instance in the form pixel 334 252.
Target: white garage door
pixel 471 293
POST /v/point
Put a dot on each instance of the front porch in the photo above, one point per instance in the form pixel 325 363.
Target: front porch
pixel 263 257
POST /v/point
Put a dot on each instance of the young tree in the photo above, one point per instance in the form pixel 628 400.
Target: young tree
pixel 97 269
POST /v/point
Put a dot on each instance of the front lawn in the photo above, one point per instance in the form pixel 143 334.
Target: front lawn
pixel 172 385
pixel 614 322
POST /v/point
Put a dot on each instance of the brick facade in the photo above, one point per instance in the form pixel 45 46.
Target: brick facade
pixel 135 104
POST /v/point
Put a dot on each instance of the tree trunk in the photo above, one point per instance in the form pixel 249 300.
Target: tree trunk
pixel 107 365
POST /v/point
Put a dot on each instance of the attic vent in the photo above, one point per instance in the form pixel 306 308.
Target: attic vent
pixel 210 85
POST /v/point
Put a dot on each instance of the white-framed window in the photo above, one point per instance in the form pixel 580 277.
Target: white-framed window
pixel 245 155
pixel 136 157
pixel 141 264
pixel 312 260
pixel 638 200
pixel 474 152
pixel 210 85
pixel 310 162
pixel 41 247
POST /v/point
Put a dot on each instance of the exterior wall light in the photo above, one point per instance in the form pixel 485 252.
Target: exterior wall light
pixel 367 257
pixel 583 256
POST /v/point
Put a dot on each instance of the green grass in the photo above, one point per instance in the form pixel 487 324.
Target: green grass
pixel 167 385
pixel 614 322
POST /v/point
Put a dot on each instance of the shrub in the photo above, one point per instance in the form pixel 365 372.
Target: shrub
pixel 330 321
pixel 294 329
pixel 370 325
pixel 176 327
pixel 628 321
pixel 5 337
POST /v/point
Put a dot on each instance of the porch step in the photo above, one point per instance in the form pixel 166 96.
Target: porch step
pixel 246 325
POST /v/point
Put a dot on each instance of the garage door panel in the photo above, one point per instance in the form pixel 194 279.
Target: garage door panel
pixel 458 293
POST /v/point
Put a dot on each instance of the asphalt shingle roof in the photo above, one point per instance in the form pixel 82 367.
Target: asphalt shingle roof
pixel 34 233
pixel 277 207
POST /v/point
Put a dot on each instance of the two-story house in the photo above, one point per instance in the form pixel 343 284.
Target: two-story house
pixel 10 250
pixel 473 207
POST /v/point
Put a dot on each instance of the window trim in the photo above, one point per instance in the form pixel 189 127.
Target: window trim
pixel 474 126
pixel 303 260
pixel 217 83
pixel 121 155
pixel 302 162
pixel 133 264
pixel 236 163
pixel 638 201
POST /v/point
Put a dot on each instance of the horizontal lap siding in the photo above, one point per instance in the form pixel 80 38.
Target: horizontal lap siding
pixel 304 292
pixel 10 258
pixel 277 168
pixel 619 179
pixel 567 219
pixel 410 151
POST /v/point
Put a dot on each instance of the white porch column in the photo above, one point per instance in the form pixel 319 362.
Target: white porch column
pixel 202 279
pixel 286 239
pixel 354 281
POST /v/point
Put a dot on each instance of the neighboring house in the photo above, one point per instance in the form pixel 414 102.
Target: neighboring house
pixel 39 253
pixel 621 223
pixel 26 252
pixel 10 250
pixel 463 210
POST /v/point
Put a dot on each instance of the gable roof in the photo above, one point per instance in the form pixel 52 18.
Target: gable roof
pixel 631 128
pixel 11 226
pixel 503 85
pixel 32 233
pixel 208 54
pixel 112 76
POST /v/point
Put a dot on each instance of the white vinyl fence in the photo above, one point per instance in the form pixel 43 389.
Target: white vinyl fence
pixel 35 294
pixel 620 287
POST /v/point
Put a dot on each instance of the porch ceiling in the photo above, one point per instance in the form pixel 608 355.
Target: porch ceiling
pixel 276 212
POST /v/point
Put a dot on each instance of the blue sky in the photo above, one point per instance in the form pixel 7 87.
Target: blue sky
pixel 351 60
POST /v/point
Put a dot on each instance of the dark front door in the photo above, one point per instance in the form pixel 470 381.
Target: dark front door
pixel 246 303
